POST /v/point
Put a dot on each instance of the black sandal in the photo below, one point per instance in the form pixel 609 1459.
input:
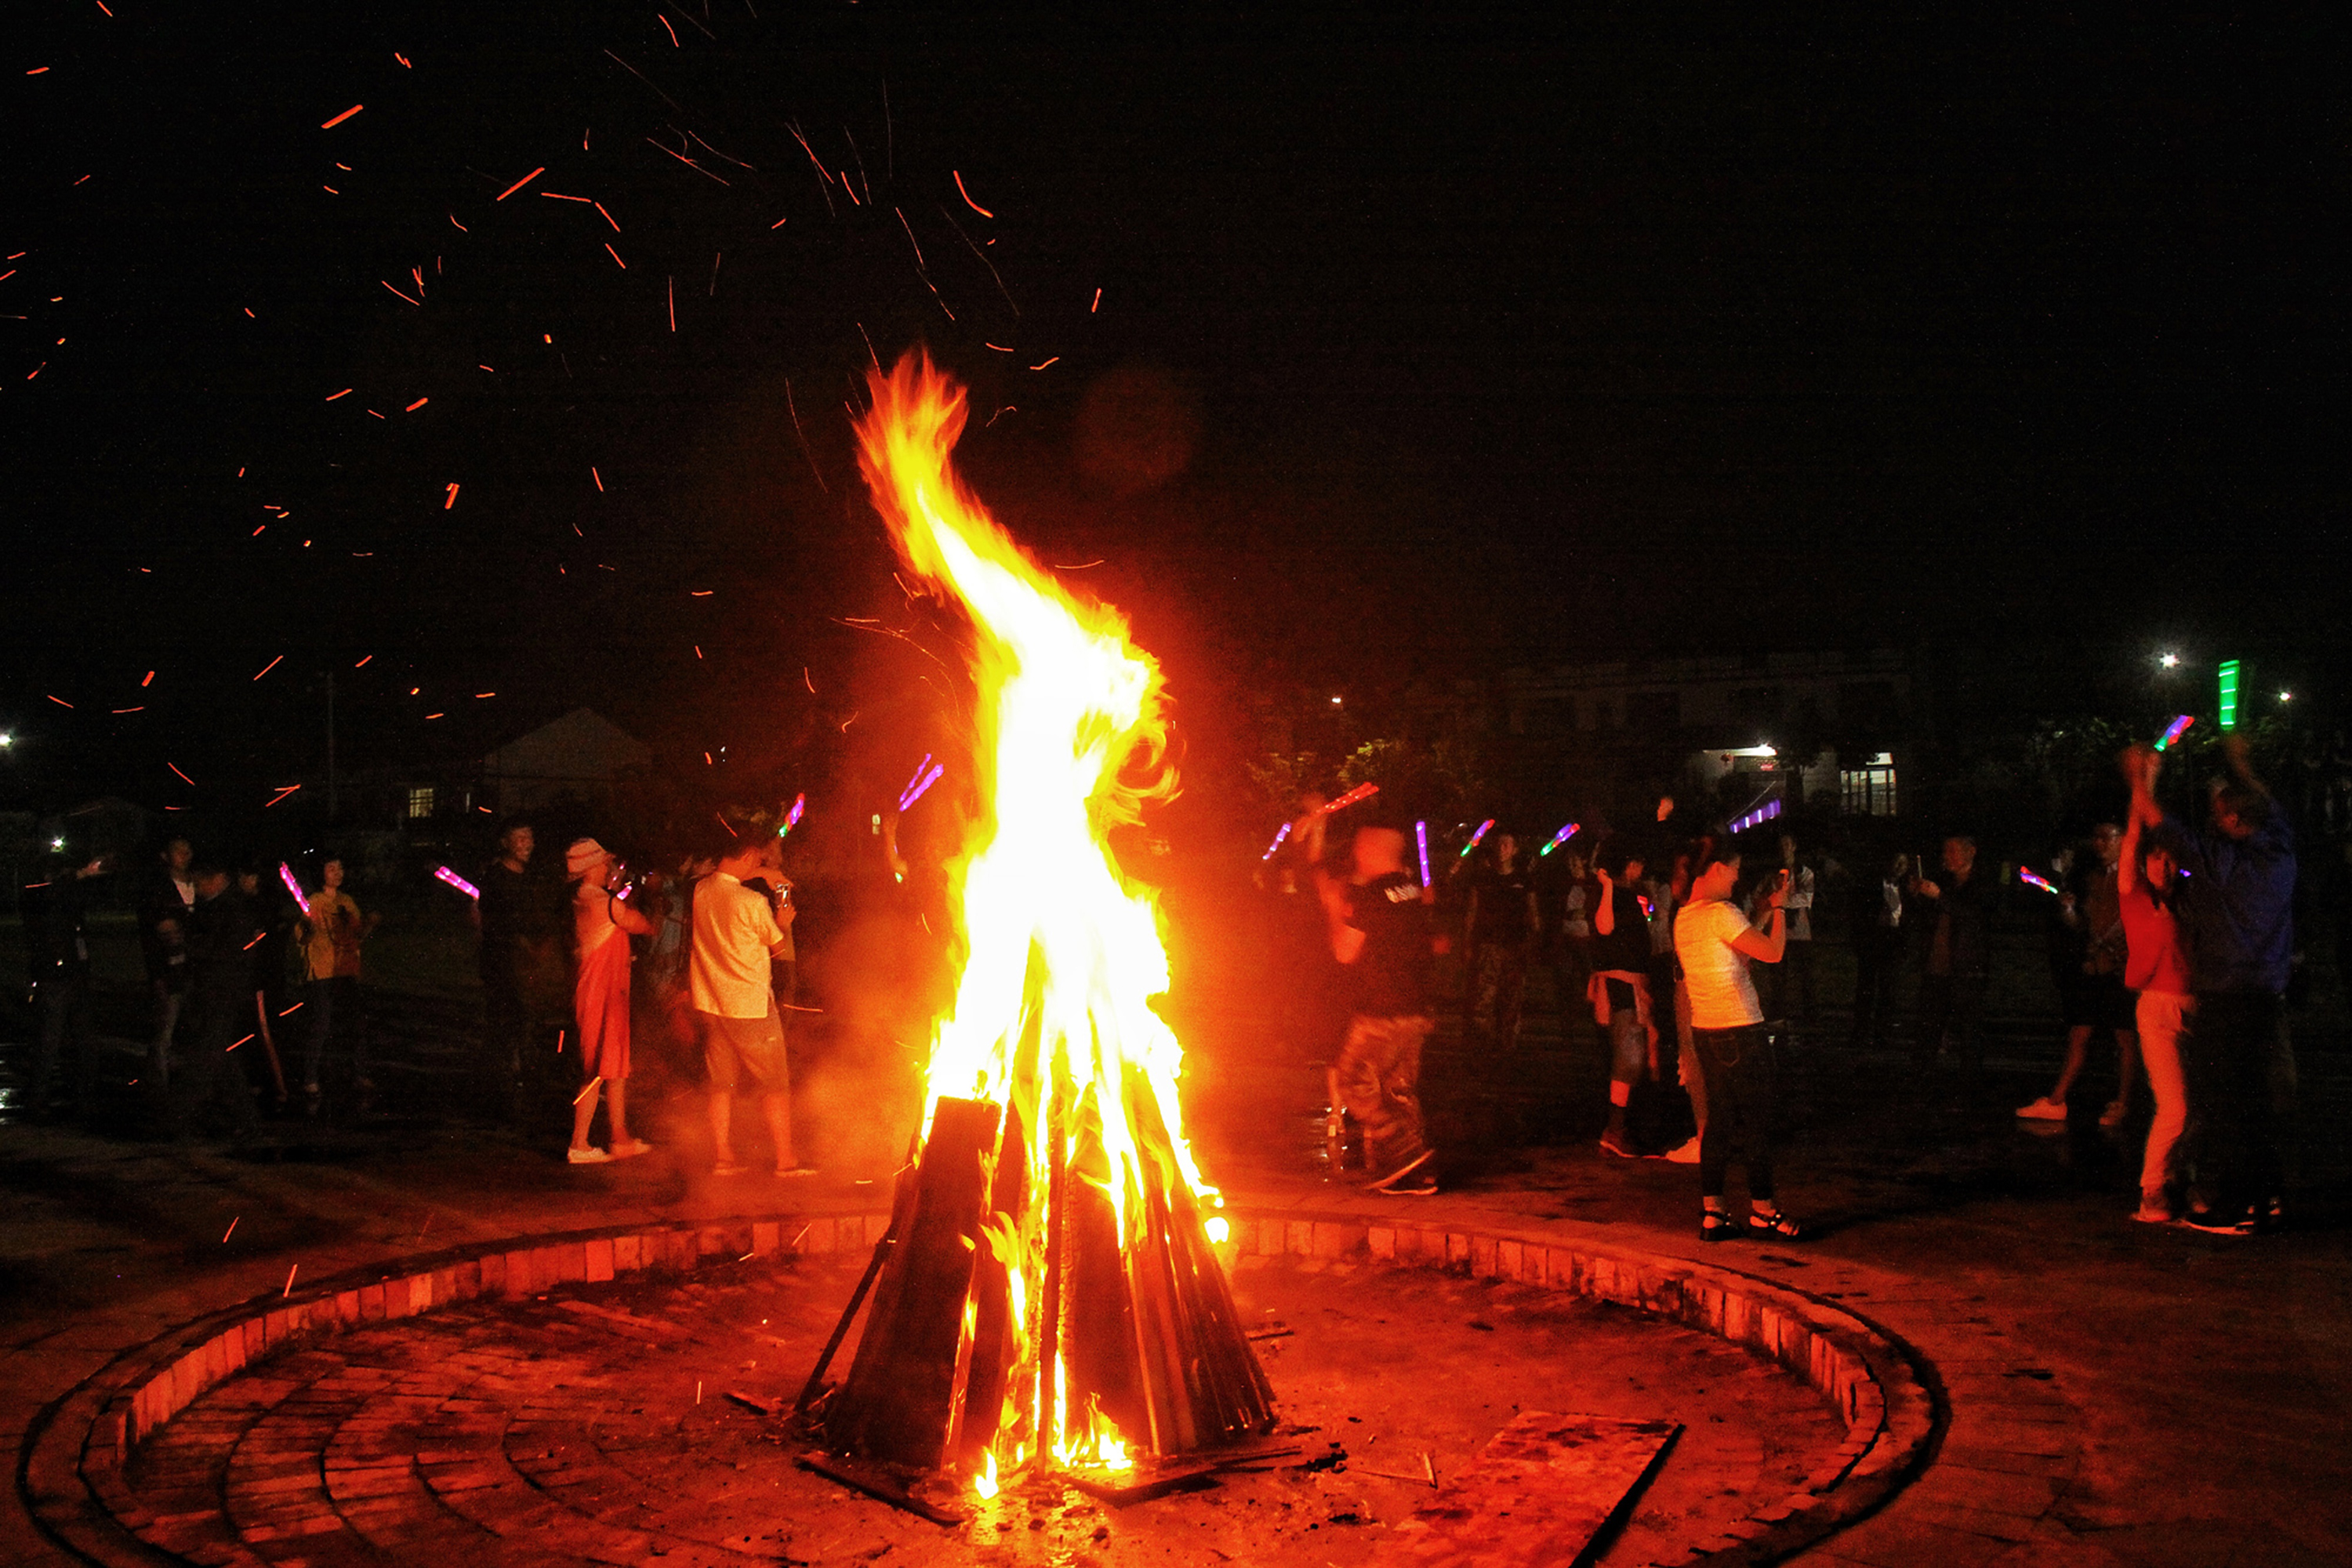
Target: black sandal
pixel 1715 1225
pixel 1774 1223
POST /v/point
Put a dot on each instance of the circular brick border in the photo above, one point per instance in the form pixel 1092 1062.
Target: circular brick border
pixel 69 1470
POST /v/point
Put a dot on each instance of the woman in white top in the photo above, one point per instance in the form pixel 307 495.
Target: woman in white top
pixel 1714 942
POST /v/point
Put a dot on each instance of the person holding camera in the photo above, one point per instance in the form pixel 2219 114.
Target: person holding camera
pixel 602 923
pixel 1715 943
pixel 738 938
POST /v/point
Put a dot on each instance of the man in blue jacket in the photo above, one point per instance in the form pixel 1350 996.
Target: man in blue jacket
pixel 2235 903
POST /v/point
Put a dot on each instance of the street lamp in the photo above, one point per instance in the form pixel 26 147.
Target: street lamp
pixel 2169 661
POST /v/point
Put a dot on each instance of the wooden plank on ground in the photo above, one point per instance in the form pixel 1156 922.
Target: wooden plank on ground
pixel 1540 1490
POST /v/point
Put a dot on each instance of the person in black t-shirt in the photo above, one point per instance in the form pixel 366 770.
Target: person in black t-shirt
pixel 1378 922
pixel 219 943
pixel 1619 990
pixel 1502 926
pixel 56 951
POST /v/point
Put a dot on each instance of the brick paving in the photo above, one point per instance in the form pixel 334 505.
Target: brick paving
pixel 2110 1394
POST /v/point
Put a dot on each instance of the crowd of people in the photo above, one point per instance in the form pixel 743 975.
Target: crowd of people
pixel 230 964
pixel 254 979
pixel 1693 950
pixel 1692 947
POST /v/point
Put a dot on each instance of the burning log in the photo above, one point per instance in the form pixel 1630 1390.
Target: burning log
pixel 902 1386
pixel 1142 1336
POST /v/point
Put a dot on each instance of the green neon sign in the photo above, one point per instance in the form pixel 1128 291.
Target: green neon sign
pixel 2230 694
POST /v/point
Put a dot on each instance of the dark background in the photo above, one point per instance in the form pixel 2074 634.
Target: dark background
pixel 1424 344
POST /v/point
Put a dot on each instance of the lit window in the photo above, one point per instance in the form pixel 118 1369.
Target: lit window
pixel 420 802
pixel 1868 791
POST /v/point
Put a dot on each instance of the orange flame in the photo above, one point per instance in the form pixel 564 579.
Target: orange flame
pixel 1060 956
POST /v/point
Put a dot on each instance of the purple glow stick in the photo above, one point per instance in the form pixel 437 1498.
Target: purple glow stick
pixel 1278 838
pixel 2174 731
pixel 905 800
pixel 286 875
pixel 1421 842
pixel 2025 874
pixel 1482 828
pixel 914 783
pixel 792 817
pixel 445 875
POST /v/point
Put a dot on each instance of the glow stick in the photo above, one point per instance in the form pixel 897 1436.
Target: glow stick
pixel 1421 842
pixel 444 874
pixel 1277 842
pixel 915 781
pixel 1482 828
pixel 2174 731
pixel 1562 837
pixel 1361 792
pixel 908 800
pixel 286 875
pixel 2025 874
pixel 792 817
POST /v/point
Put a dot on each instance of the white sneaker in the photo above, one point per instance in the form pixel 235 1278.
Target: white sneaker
pixel 2044 1109
pixel 1685 1154
pixel 587 1156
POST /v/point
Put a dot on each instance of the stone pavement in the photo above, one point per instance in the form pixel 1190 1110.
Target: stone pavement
pixel 2115 1395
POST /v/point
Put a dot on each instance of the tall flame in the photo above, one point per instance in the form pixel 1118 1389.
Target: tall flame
pixel 1052 1016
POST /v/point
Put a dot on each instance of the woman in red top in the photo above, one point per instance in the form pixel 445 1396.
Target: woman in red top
pixel 2157 967
pixel 602 925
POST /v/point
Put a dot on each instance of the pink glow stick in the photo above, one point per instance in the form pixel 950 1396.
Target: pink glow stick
pixel 286 875
pixel 1278 838
pixel 905 801
pixel 1420 841
pixel 445 873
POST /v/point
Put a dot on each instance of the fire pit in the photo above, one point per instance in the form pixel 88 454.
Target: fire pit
pixel 648 1415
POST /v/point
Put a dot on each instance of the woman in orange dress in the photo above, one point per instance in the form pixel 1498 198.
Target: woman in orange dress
pixel 603 923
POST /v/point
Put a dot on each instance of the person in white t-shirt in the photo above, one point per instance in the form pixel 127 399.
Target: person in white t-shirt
pixel 737 939
pixel 1715 943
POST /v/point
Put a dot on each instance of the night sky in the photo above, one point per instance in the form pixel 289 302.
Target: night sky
pixel 1430 344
